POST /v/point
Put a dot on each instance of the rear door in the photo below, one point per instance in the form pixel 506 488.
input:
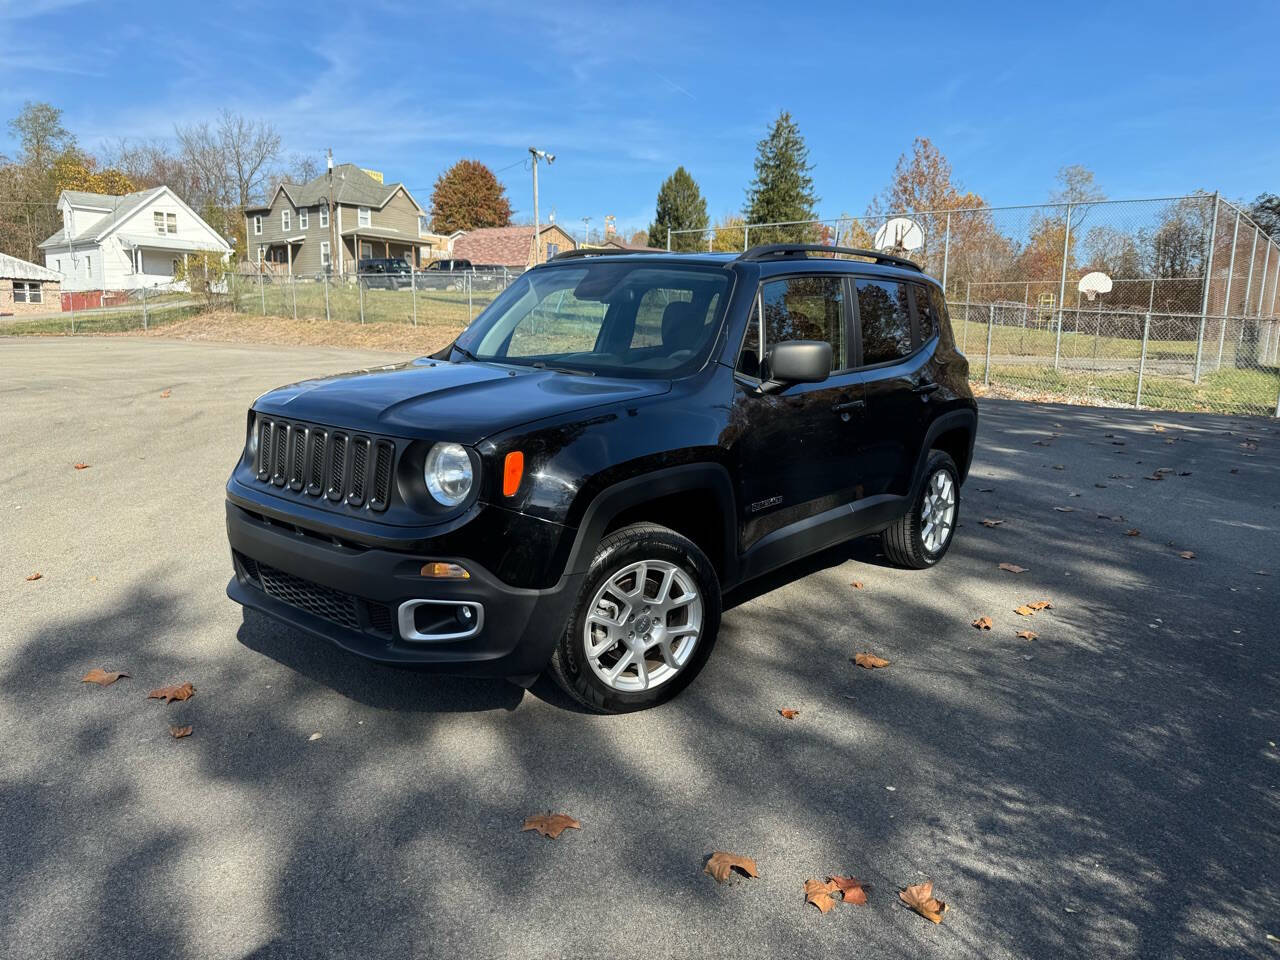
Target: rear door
pixel 795 450
pixel 893 361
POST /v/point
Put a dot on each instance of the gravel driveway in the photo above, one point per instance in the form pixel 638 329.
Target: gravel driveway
pixel 1109 788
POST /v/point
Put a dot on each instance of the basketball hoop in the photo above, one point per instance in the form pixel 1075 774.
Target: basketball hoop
pixel 1092 284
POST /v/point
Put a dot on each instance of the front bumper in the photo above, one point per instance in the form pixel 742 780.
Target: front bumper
pixel 350 596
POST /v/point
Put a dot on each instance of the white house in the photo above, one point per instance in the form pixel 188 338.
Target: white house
pixel 124 243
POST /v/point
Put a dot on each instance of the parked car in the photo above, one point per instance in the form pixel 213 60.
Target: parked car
pixel 449 265
pixel 614 442
pixel 391 273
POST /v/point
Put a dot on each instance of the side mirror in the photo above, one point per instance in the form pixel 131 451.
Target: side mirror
pixel 798 361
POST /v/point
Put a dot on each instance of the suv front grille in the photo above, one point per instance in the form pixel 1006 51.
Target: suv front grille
pixel 344 467
pixel 354 613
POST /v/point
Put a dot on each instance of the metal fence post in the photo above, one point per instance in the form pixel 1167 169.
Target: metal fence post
pixel 360 285
pixel 469 296
pixel 262 290
pixel 1062 285
pixel 413 293
pixel 144 309
pixel 1248 284
pixel 1142 363
pixel 1226 300
pixel 1262 287
pixel 668 238
pixel 293 294
pixel 325 280
pixel 946 255
pixel 986 365
pixel 964 337
pixel 746 231
pixel 1208 282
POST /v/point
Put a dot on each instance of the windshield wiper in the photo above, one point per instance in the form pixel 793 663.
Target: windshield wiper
pixel 466 353
pixel 543 365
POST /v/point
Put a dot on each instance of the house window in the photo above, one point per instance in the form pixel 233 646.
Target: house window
pixel 304 216
pixel 362 217
pixel 366 250
pixel 285 218
pixel 324 216
pixel 59 263
pixel 158 219
pixel 27 292
pixel 171 222
pixel 261 250
pixel 324 254
pixel 257 224
pixel 88 267
pixel 174 271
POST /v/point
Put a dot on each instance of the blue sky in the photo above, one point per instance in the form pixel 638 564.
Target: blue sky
pixel 1157 99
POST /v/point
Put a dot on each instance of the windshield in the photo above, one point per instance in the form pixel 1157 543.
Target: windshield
pixel 619 319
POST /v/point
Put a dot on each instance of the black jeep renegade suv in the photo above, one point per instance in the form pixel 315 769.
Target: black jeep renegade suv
pixel 573 483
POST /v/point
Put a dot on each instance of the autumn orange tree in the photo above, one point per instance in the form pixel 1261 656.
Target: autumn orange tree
pixel 468 196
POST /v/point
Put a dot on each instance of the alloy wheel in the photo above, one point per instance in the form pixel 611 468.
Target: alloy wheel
pixel 938 511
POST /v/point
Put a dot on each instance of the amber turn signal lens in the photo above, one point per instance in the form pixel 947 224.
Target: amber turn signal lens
pixel 512 471
pixel 445 571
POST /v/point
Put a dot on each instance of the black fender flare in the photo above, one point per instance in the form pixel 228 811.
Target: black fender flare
pixel 636 490
pixel 966 418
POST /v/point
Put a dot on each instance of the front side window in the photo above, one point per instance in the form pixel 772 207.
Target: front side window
pixel 611 318
pixel 362 217
pixel 885 316
pixel 285 218
pixel 798 308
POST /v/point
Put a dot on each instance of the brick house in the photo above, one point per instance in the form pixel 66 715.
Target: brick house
pixel 28 287
pixel 371 219
pixel 511 247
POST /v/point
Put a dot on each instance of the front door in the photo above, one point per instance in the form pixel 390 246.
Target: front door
pixel 795 449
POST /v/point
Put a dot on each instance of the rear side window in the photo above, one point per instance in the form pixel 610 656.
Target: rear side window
pixel 885 316
pixel 806 308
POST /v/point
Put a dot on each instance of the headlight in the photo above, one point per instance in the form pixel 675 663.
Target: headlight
pixel 448 473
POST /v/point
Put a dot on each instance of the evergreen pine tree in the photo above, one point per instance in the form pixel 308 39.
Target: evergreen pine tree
pixel 782 190
pixel 681 206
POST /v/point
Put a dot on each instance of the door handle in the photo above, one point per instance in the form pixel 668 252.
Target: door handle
pixel 848 405
pixel 925 387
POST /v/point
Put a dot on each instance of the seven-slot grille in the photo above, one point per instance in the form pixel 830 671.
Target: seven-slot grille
pixel 340 466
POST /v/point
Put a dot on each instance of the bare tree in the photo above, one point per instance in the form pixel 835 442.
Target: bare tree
pixel 232 160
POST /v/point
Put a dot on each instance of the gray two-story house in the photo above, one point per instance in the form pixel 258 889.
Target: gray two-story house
pixel 293 231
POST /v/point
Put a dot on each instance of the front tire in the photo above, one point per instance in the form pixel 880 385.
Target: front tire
pixel 920 538
pixel 644 622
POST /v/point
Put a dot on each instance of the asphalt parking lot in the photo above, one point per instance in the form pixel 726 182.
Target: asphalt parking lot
pixel 1110 788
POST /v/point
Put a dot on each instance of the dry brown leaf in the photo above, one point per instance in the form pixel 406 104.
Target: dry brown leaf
pixel 1040 605
pixel 983 623
pixel 1013 568
pixel 852 889
pixel 869 661
pixel 164 394
pixel 178 691
pixel 82 466
pixel 788 713
pixel 857 584
pixel 1133 533
pixel 1186 555
pixel 103 678
pixel 720 864
pixel 35 576
pixel 551 824
pixel 919 897
pixel 991 523
pixel 1024 611
pixel 1157 428
pixel 179 732
pixel 819 893
pixel 1027 635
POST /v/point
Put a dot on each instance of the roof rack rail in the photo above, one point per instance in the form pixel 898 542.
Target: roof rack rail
pixel 774 251
pixel 593 252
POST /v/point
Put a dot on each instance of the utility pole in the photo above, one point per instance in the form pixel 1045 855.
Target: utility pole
pixel 550 158
pixel 586 230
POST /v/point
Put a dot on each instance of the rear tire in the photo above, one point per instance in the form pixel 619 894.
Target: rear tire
pixel 644 622
pixel 920 537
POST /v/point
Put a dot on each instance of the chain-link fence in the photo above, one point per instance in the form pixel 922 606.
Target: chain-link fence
pixel 1167 303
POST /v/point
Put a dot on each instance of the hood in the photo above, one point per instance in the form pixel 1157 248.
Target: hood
pixel 464 402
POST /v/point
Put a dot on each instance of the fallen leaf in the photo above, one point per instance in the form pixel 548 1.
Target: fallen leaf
pixel 788 713
pixel 1133 533
pixel 551 824
pixel 1065 509
pixel 1262 573
pixel 852 889
pixel 179 732
pixel 1059 466
pixel 35 576
pixel 992 523
pixel 1013 568
pixel 983 623
pixel 1155 476
pixel 857 584
pixel 179 691
pixel 819 893
pixel 919 897
pixel 869 661
pixel 1040 605
pixel 314 737
pixel 720 864
pixel 1157 428
pixel 1043 443
pixel 1026 635
pixel 985 489
pixel 1024 611
pixel 1186 555
pixel 164 394
pixel 82 466
pixel 103 678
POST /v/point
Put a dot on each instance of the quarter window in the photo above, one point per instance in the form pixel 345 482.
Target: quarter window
pixel 924 312
pixel 885 316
